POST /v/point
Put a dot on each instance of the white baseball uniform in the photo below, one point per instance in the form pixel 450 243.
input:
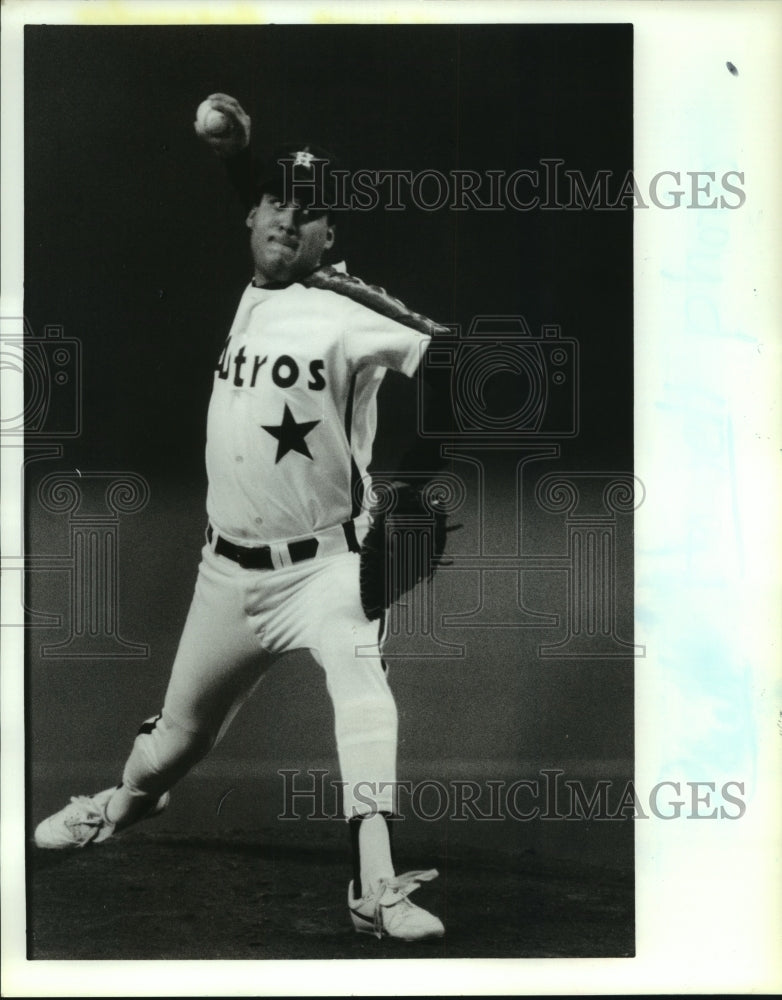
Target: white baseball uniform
pixel 290 429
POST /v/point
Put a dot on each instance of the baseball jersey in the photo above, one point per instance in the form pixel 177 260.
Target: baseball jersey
pixel 293 408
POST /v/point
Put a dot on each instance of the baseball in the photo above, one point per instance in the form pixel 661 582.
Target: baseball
pixel 210 121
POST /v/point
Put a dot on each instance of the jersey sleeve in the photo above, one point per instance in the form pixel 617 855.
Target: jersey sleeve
pixel 378 328
pixel 372 339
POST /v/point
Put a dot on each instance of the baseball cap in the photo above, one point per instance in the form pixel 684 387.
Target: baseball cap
pixel 300 172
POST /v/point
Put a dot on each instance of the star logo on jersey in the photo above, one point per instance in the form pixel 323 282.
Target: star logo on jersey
pixel 290 435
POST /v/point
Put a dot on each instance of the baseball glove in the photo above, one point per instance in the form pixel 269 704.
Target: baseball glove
pixel 404 544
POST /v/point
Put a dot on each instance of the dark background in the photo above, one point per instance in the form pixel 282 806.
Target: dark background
pixel 135 245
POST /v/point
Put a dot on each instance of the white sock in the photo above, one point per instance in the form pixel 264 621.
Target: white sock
pixel 374 849
pixel 125 807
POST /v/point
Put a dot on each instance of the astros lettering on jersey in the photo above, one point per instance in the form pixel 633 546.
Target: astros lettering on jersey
pixel 293 410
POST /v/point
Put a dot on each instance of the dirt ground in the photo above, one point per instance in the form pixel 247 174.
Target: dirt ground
pixel 275 894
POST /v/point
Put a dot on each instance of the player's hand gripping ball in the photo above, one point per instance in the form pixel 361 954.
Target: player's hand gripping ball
pixel 210 121
pixel 222 123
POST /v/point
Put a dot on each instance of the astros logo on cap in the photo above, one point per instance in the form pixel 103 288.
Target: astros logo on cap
pixel 303 158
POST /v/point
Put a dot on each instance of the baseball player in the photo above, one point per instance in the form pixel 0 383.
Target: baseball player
pixel 289 437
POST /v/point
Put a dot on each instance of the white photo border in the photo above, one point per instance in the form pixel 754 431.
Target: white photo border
pixel 707 894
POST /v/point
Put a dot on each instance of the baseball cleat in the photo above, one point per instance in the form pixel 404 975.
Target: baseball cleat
pixel 388 912
pixel 83 821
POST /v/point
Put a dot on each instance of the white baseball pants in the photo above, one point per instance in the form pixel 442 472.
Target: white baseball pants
pixel 239 622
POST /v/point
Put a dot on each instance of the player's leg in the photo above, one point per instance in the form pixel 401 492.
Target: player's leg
pixel 218 663
pixel 345 645
pixel 365 718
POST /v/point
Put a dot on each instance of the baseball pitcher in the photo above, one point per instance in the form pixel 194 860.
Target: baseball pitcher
pixel 292 559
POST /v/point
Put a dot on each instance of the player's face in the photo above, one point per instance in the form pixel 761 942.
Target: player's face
pixel 287 242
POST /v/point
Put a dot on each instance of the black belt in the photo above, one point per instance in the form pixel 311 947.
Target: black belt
pixel 261 557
